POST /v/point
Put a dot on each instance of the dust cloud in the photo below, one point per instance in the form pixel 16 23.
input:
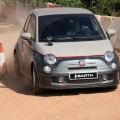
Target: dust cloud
pixel 9 33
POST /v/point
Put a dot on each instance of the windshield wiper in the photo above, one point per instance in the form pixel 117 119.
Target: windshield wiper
pixel 84 38
pixel 65 38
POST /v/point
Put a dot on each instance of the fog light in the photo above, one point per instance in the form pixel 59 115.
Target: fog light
pixel 113 65
pixel 104 77
pixel 47 69
pixel 61 79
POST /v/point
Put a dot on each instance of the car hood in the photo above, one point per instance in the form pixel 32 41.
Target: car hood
pixel 71 49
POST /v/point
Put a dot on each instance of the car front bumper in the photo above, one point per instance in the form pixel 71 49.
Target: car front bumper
pixel 52 82
pixel 65 67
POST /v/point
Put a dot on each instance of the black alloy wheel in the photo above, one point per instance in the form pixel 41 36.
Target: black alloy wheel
pixel 36 89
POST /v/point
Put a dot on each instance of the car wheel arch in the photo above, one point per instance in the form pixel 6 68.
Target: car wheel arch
pixel 32 64
pixel 15 52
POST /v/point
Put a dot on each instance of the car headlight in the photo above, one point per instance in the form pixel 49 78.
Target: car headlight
pixel 109 56
pixel 50 59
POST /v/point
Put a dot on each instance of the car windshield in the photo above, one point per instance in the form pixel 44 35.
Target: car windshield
pixel 79 27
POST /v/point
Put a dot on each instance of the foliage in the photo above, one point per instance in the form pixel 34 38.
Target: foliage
pixel 8 2
pixel 106 7
pixel 70 3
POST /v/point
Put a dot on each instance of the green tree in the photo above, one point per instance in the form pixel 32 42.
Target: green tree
pixel 67 3
pixel 8 2
pixel 108 7
pixel 102 7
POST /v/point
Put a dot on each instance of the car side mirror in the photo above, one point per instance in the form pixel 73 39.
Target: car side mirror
pixel 26 36
pixel 111 32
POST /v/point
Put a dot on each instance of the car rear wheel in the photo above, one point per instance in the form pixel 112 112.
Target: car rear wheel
pixel 16 64
pixel 36 88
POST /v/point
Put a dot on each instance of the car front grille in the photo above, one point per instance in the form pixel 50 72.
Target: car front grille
pixel 83 81
pixel 79 81
pixel 76 68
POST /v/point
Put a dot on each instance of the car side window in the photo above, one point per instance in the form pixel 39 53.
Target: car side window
pixel 26 23
pixel 32 27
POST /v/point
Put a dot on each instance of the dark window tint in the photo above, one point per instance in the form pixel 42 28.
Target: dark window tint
pixel 75 26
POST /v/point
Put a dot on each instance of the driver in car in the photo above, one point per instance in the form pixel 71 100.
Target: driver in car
pixel 79 29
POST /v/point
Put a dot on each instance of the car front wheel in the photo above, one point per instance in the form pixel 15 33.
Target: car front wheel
pixel 36 88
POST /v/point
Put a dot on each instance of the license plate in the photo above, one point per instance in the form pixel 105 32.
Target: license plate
pixel 75 76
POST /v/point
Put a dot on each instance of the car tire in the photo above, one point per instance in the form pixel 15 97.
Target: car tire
pixel 36 89
pixel 16 65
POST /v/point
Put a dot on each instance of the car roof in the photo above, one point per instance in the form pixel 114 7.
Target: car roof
pixel 54 11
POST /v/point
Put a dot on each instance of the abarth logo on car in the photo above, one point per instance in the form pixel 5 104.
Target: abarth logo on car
pixel 84 76
pixel 82 63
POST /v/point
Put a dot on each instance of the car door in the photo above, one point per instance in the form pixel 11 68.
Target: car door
pixel 27 46
pixel 20 45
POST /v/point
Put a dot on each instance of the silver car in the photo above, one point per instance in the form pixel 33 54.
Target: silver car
pixel 66 48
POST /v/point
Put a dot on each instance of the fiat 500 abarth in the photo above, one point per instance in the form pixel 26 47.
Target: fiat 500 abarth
pixel 66 48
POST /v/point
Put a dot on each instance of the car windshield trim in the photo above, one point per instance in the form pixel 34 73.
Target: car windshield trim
pixel 75 39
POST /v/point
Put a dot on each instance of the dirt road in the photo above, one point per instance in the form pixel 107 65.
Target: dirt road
pixel 18 103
